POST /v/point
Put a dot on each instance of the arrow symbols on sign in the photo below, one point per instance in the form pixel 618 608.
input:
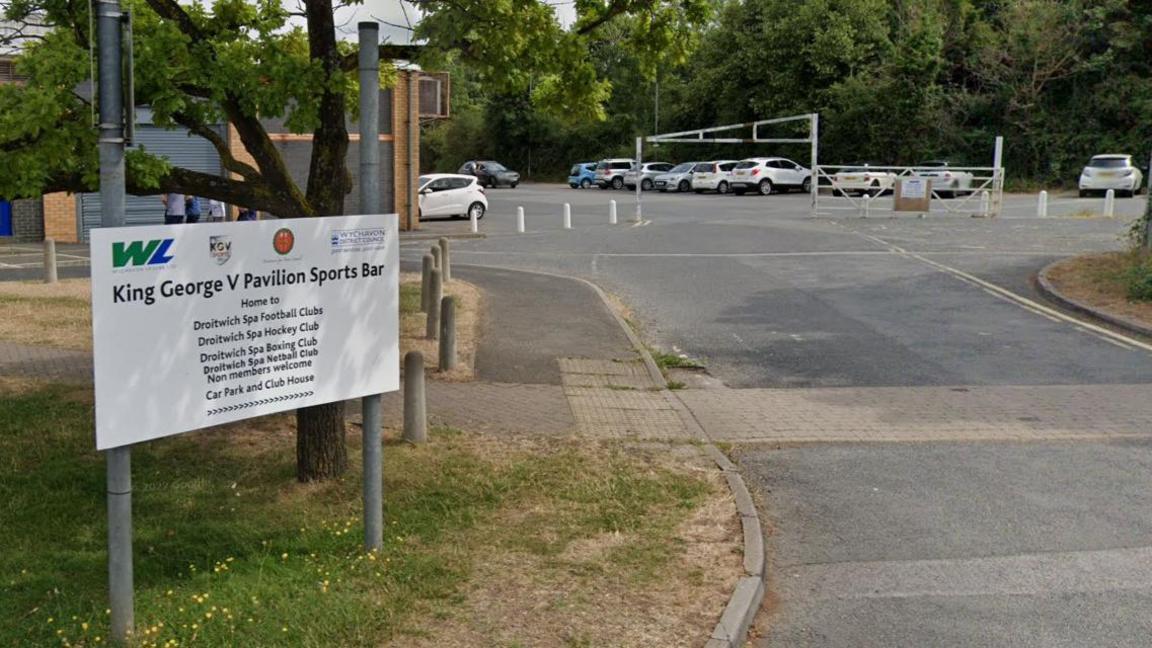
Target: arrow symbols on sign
pixel 258 403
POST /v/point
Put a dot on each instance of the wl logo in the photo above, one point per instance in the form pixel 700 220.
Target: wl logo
pixel 138 253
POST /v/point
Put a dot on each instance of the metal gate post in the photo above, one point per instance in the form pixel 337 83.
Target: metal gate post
pixel 639 179
pixel 997 178
pixel 813 133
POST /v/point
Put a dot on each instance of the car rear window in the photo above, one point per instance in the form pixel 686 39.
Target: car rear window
pixel 747 164
pixel 1108 163
pixel 704 167
pixel 621 165
pixel 728 166
pixel 602 166
pixel 682 168
pixel 576 170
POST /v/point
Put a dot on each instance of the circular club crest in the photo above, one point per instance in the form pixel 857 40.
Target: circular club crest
pixel 283 240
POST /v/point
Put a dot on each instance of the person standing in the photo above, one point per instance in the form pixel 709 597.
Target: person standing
pixel 192 210
pixel 174 208
pixel 215 211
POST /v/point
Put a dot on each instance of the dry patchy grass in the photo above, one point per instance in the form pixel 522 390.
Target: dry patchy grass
pixel 554 580
pixel 469 305
pixel 1099 281
pixel 54 315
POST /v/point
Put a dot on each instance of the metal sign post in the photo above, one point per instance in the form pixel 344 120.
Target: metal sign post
pixel 370 204
pixel 639 179
pixel 119 460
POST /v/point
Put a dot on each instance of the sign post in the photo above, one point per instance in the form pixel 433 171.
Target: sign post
pixel 119 459
pixel 370 204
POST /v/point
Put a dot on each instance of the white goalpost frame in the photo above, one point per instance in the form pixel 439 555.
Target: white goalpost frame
pixel 697 136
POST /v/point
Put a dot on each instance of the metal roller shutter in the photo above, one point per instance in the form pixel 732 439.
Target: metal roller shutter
pixel 193 153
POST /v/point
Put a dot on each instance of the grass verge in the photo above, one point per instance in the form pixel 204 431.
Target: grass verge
pixel 1118 283
pixel 231 551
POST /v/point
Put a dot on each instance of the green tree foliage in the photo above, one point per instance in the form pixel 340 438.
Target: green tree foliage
pixel 894 81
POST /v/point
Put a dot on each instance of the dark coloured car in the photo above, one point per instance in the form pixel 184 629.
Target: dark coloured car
pixel 491 174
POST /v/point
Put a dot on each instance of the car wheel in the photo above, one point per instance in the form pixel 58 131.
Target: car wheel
pixel 585 183
pixel 765 187
pixel 874 189
pixel 476 209
pixel 574 186
pixel 684 186
pixel 646 185
pixel 806 186
pixel 722 187
pixel 513 185
pixel 617 182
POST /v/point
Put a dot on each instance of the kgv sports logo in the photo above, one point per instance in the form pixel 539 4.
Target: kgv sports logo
pixel 141 253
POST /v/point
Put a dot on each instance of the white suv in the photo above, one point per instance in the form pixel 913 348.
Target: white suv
pixel 1115 172
pixel 610 173
pixel 769 175
pixel 713 176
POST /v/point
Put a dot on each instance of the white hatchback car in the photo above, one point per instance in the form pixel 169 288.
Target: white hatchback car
pixel 679 178
pixel 769 175
pixel 451 194
pixel 713 176
pixel 863 179
pixel 947 180
pixel 1114 171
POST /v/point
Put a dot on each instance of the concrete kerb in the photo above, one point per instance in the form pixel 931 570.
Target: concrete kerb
pixel 1048 289
pixel 740 612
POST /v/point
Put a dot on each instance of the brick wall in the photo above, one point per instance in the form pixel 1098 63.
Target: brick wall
pixel 404 113
pixel 28 220
pixel 60 217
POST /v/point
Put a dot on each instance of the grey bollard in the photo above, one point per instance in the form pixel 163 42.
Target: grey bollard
pixel 437 262
pixel 50 261
pixel 433 325
pixel 415 412
pixel 445 259
pixel 447 334
pixel 426 281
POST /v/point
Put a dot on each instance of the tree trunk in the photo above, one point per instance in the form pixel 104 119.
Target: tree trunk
pixel 321 451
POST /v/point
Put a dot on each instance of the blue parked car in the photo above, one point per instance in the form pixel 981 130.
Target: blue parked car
pixel 582 175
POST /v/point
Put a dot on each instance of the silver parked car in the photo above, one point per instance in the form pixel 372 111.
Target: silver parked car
pixel 678 178
pixel 647 174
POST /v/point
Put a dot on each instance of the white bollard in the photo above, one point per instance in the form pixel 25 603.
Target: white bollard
pixel 867 203
pixel 1042 205
pixel 611 212
pixel 1110 203
pixel 475 223
pixel 520 219
pixel 984 204
pixel 567 216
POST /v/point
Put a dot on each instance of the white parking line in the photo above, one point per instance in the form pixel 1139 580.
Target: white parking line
pixel 1118 339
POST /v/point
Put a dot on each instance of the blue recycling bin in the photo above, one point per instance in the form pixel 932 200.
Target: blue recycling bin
pixel 5 218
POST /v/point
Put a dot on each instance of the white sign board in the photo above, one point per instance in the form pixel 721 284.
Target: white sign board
pixel 198 325
pixel 913 188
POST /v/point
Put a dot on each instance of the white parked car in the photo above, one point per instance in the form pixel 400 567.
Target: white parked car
pixel 610 173
pixel 713 176
pixel 1114 171
pixel 648 172
pixel 678 178
pixel 946 180
pixel 451 194
pixel 769 175
pixel 863 179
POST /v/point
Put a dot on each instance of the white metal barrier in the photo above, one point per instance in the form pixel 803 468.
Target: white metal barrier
pixel 841 189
